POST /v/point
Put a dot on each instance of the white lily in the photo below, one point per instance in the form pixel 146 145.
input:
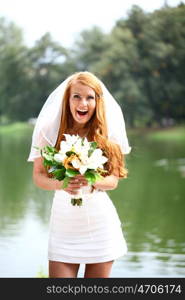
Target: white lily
pixel 71 139
pixel 79 148
pixel 96 160
pixel 82 162
pixel 84 157
pixel 65 147
pixel 83 169
pixel 76 163
pixel 59 157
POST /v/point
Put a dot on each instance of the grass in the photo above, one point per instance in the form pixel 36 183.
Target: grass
pixel 170 134
pixel 176 134
pixel 15 128
pixel 41 274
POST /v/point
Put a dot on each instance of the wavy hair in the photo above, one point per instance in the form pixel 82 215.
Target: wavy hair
pixel 96 126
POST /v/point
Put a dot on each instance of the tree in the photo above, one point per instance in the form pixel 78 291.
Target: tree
pixel 46 70
pixel 89 48
pixel 117 69
pixel 13 62
pixel 160 43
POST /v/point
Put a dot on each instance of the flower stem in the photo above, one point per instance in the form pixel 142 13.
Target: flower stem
pixel 77 201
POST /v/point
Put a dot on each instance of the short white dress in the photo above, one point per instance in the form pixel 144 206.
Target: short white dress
pixel 91 233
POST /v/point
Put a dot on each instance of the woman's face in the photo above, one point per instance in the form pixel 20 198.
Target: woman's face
pixel 82 103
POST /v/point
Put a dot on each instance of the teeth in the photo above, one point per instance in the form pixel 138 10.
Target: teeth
pixel 82 110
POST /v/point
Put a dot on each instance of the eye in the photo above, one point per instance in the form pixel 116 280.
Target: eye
pixel 76 96
pixel 90 97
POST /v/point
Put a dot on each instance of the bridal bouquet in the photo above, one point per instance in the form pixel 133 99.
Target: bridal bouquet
pixel 75 156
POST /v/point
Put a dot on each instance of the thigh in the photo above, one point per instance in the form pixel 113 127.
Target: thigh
pixel 62 270
pixel 98 270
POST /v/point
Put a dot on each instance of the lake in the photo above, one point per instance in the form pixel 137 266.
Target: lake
pixel 150 204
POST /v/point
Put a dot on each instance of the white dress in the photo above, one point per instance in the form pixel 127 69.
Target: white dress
pixel 90 233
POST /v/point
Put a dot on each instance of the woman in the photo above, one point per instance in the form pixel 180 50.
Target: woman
pixel 90 234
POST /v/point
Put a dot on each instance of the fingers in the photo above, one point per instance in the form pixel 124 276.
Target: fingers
pixel 75 184
pixel 80 180
pixel 72 192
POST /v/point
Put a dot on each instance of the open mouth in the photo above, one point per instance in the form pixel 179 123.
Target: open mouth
pixel 82 112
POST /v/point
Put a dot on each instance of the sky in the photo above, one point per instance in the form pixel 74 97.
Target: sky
pixel 65 19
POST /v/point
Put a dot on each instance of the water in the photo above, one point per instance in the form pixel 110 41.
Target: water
pixel 150 204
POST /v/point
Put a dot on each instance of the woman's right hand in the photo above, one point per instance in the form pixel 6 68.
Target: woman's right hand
pixel 73 186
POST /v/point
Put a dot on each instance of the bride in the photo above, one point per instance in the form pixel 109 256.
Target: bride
pixel 91 234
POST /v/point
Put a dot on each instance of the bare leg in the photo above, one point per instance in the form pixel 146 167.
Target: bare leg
pixel 62 270
pixel 98 270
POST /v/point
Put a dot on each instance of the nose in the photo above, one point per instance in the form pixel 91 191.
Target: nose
pixel 83 101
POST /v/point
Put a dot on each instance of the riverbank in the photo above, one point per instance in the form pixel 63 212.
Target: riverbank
pixel 16 128
pixel 168 134
pixel 176 133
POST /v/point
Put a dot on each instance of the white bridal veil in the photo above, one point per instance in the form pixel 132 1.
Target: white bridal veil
pixel 48 122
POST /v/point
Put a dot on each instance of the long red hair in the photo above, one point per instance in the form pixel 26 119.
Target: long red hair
pixel 96 126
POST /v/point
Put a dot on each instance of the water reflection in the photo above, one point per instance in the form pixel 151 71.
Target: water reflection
pixel 150 204
pixel 18 196
pixel 150 264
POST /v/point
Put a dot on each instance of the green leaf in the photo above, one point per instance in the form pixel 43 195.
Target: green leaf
pixel 65 182
pixel 90 176
pixel 71 173
pixel 82 142
pixel 47 163
pixel 93 146
pixel 98 176
pixel 69 153
pixel 50 149
pixel 47 156
pixel 59 174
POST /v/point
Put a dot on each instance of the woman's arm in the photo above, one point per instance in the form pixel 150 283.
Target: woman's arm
pixel 41 179
pixel 107 183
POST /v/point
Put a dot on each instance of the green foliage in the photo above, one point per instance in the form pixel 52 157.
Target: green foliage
pixel 176 134
pixel 16 129
pixel 90 176
pixel 65 182
pixel 13 72
pixel 71 173
pixel 58 172
pixel 41 273
pixel 93 146
pixel 142 61
pixel 89 48
pixel 48 153
pixel 69 153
